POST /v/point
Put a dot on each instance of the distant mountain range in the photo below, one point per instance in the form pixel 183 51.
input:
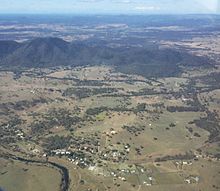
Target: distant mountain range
pixel 50 52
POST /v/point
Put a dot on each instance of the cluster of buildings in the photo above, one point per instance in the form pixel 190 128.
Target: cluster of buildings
pixel 78 158
pixel 192 179
pixel 19 134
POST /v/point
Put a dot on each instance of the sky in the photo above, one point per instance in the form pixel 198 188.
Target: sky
pixel 110 6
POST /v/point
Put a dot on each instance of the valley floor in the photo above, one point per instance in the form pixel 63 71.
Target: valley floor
pixel 111 131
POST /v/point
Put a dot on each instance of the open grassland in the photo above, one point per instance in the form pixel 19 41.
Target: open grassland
pixel 20 176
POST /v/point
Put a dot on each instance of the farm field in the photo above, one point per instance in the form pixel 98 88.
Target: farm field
pixel 20 176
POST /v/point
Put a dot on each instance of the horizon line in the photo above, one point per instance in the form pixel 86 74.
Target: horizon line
pixel 110 14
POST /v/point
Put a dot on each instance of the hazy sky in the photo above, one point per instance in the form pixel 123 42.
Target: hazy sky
pixel 110 6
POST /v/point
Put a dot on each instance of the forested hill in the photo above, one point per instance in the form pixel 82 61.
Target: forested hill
pixel 49 52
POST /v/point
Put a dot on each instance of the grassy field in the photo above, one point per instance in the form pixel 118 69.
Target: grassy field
pixel 20 176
